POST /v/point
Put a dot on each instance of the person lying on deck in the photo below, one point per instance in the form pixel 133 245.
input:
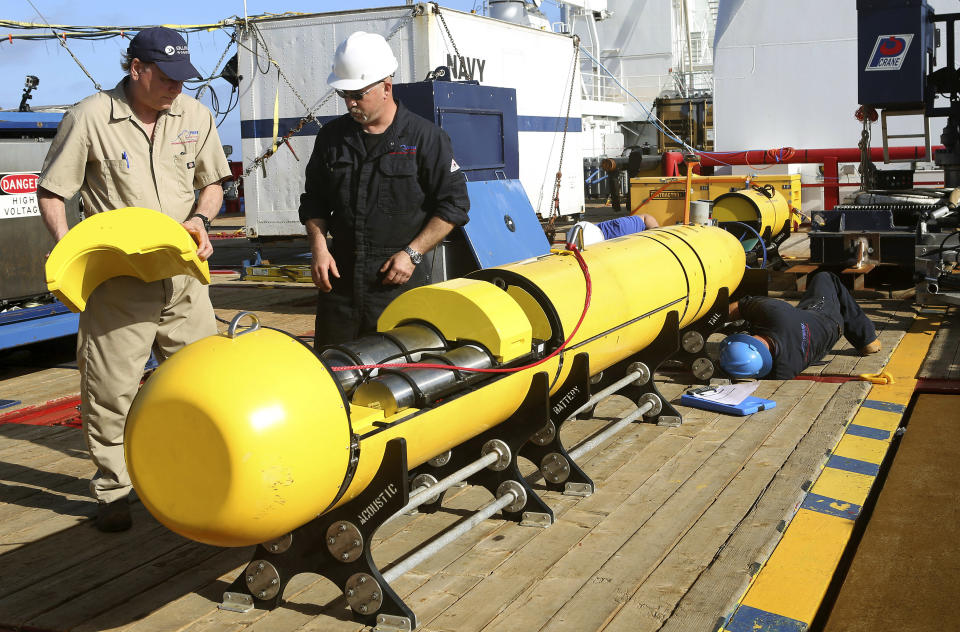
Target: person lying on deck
pixel 611 228
pixel 784 340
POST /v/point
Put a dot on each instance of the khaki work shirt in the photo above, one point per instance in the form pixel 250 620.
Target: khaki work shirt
pixel 102 150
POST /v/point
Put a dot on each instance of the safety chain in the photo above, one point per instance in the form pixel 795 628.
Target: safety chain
pixel 867 168
pixel 436 10
pixel 216 68
pixel 260 161
pixel 555 204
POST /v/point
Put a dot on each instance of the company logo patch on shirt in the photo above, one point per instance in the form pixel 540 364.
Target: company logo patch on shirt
pixel 191 165
pixel 453 165
pixel 406 150
pixel 186 136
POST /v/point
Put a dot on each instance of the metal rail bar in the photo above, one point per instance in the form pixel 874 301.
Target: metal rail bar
pixel 423 494
pixel 629 378
pixel 589 444
pixel 448 537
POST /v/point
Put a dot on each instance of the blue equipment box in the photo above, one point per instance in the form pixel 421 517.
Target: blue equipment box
pixel 894 39
pixel 480 120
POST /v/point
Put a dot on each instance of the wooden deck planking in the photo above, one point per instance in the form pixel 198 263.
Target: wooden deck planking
pixel 648 481
pixel 474 584
pixel 658 596
pixel 716 462
pixel 714 592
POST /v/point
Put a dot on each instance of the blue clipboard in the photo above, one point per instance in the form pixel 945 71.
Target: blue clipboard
pixel 747 407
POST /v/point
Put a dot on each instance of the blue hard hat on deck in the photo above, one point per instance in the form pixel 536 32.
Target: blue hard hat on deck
pixel 744 356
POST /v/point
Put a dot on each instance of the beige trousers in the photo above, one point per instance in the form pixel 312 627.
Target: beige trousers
pixel 125 318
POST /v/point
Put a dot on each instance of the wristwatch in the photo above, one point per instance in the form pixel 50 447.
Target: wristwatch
pixel 203 218
pixel 415 256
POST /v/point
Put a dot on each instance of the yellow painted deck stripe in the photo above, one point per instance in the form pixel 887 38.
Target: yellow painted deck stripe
pixel 810 549
pixel 791 584
pixel 870 450
pixel 879 419
pixel 849 486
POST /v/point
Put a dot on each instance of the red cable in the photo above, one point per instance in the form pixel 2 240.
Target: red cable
pixel 412 365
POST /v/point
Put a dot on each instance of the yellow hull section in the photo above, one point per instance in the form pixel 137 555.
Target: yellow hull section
pixel 754 208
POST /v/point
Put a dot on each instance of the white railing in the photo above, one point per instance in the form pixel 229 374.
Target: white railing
pixel 599 86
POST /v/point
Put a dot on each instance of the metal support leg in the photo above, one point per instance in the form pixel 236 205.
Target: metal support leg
pixel 664 345
pixel 337 545
pixel 546 451
pixel 693 339
pixel 507 438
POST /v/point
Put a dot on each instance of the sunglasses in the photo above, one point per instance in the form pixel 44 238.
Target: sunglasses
pixel 356 95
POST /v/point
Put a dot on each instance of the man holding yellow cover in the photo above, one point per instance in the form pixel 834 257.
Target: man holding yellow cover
pixel 141 144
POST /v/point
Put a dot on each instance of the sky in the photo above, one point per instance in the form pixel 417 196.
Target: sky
pixel 63 82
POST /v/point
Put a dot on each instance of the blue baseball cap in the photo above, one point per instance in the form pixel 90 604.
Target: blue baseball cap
pixel 167 49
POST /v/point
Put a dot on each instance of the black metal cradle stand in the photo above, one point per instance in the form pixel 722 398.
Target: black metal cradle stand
pixel 508 438
pixel 692 353
pixel 648 362
pixel 337 544
pixel 545 449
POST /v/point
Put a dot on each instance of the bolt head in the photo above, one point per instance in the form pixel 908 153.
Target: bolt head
pixel 249 579
pixel 342 528
pixel 375 595
pixel 274 581
pixel 362 580
pixel 274 547
pixel 331 540
pixel 260 566
pixel 351 592
pixel 261 594
pixel 344 556
pixel 363 608
pixel 356 543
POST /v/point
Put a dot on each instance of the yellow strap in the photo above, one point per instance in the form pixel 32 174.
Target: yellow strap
pixel 877 378
pixel 276 117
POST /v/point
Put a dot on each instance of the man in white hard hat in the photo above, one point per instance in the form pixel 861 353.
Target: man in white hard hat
pixel 384 183
pixel 145 144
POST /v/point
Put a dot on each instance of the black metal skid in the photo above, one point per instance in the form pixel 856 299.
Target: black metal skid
pixel 546 450
pixel 652 356
pixel 309 550
pixel 337 544
pixel 531 416
pixel 693 339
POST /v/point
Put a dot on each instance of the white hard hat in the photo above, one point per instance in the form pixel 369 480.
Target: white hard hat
pixel 591 234
pixel 361 59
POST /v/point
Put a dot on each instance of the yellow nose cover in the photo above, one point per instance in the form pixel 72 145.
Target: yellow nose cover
pixel 213 461
pixel 132 241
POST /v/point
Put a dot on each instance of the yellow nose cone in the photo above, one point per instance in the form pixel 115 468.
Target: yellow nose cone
pixel 236 441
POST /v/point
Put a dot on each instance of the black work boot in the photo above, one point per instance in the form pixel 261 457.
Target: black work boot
pixel 115 516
